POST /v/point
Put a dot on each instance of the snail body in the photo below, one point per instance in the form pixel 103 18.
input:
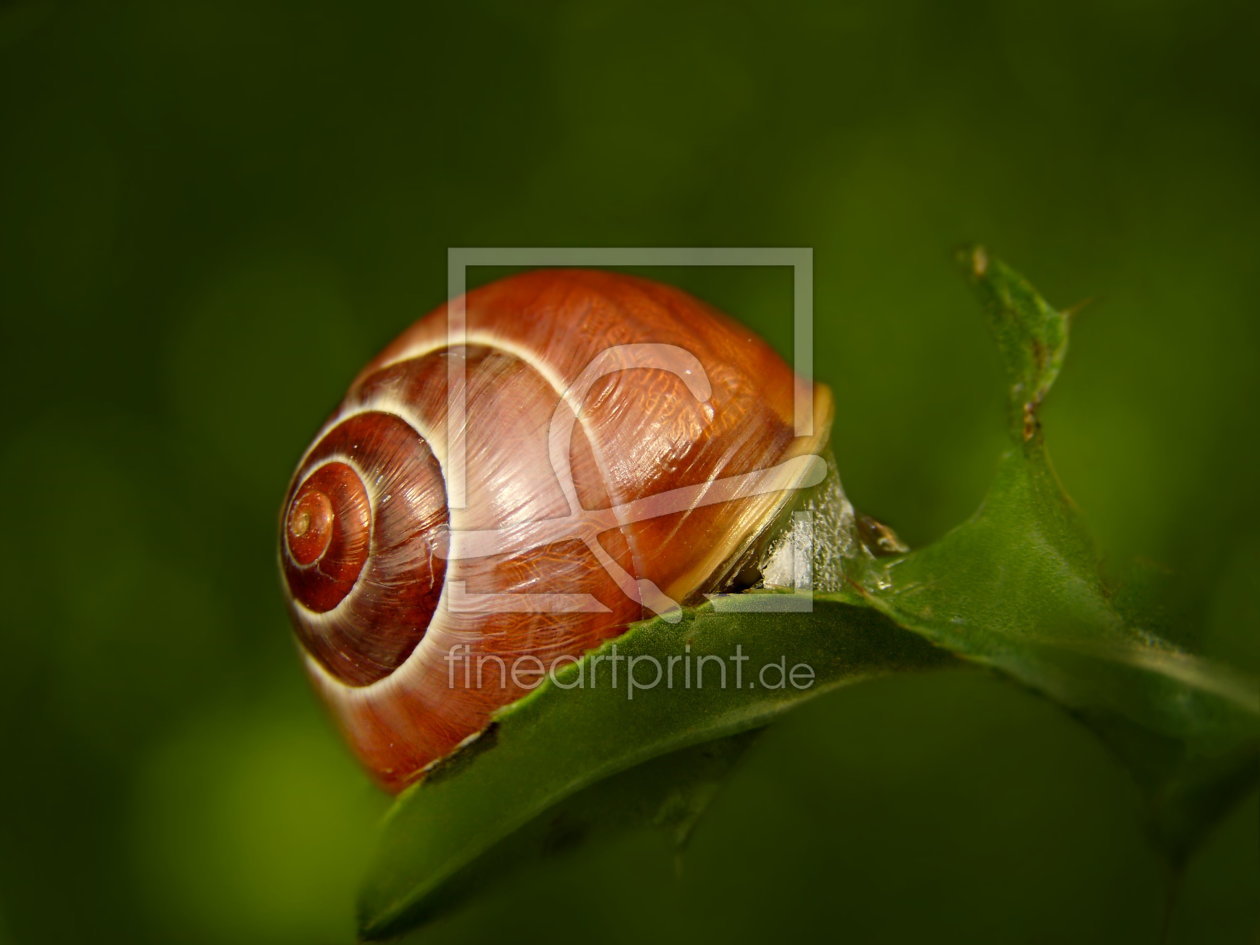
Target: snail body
pixel 594 448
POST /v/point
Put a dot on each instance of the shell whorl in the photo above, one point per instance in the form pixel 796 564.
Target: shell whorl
pixel 363 515
pixel 387 581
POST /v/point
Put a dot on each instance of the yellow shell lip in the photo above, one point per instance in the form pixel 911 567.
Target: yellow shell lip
pixel 761 511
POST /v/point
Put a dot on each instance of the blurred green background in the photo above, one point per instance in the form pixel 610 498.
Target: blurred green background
pixel 212 214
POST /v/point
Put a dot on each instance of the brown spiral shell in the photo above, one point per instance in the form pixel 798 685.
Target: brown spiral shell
pixel 614 446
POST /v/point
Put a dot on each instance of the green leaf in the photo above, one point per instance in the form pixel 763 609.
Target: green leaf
pixel 670 793
pixel 1031 335
pixel 513 792
pixel 1020 587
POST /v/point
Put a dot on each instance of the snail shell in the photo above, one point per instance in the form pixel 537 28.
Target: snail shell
pixel 594 449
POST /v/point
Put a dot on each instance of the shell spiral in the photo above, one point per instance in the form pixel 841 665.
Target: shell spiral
pixel 596 448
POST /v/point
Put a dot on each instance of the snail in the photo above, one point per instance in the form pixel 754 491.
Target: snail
pixel 519 476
